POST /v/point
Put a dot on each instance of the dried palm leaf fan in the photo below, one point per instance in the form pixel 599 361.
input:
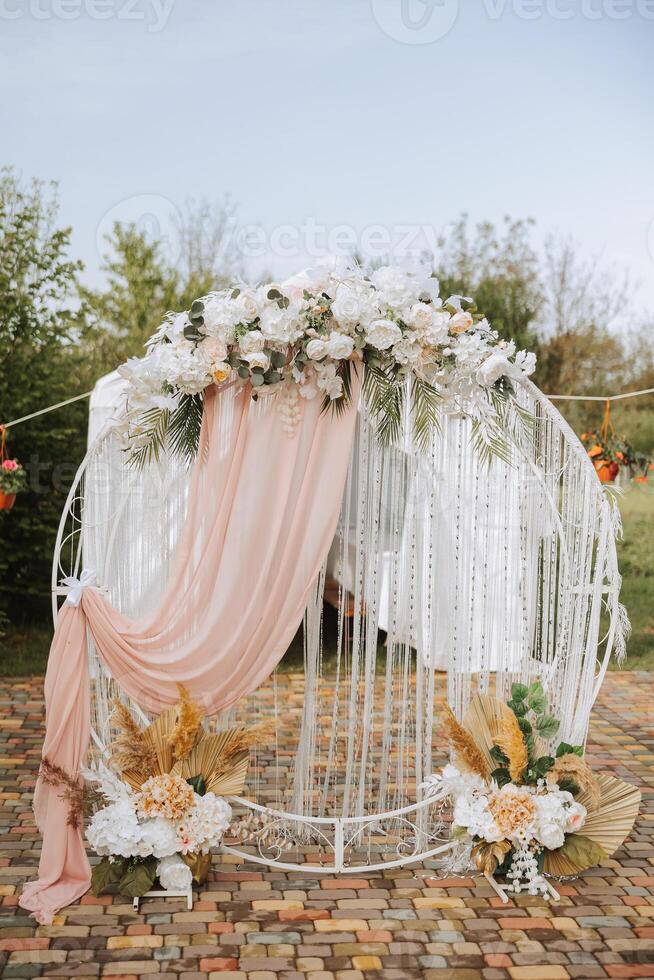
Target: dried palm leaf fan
pixel 177 742
pixel 484 720
pixel 605 829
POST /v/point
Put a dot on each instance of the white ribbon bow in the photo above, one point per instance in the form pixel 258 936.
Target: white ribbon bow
pixel 77 585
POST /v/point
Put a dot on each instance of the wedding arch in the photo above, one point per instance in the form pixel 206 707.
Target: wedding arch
pixel 458 522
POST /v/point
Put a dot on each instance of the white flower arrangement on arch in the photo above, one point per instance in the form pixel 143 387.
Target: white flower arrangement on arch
pixel 302 339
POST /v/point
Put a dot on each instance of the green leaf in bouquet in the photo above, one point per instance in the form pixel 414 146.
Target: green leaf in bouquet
pixel 257 379
pixel 543 765
pixel 498 756
pixel 272 377
pixel 519 708
pixel 274 294
pixel 106 873
pixel 525 726
pixel 568 785
pixel 519 692
pixel 501 776
pixel 582 851
pixel 536 698
pixel 197 309
pixel 244 373
pixel 235 293
pixel 565 748
pixel 456 832
pixel 547 726
pixel 198 784
pixel 191 331
pixel 139 877
pixel 278 358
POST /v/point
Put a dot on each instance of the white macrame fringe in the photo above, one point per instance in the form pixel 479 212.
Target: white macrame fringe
pixel 454 576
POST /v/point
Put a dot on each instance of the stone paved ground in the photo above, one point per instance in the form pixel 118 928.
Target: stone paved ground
pixel 254 924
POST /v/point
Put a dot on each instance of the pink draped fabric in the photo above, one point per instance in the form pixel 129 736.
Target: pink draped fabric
pixel 262 513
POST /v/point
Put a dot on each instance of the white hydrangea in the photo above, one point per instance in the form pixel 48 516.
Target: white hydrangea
pixel 204 825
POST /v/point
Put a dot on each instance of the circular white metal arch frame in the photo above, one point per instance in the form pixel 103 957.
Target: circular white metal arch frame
pixel 336 835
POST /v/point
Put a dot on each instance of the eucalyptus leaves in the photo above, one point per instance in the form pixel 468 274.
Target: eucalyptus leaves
pixel 304 337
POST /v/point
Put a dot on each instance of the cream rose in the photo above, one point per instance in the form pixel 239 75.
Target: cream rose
pixel 460 322
pixel 316 349
pixel 214 349
pixel 252 342
pixel 258 360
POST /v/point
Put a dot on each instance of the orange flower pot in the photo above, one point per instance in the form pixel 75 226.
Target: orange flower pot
pixel 7 500
pixel 607 472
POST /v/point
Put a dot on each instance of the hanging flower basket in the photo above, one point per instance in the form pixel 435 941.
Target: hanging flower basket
pixel 7 500
pixel 609 453
pixel 12 476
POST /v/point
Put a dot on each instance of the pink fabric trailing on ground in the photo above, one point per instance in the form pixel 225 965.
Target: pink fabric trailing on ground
pixel 262 513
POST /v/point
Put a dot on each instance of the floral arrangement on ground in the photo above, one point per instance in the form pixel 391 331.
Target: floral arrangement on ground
pixel 302 338
pixel 159 807
pixel 522 808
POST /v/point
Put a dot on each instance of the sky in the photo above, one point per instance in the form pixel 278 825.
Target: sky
pixel 327 121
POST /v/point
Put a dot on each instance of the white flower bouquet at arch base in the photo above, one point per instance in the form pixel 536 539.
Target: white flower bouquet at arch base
pixel 519 811
pixel 162 806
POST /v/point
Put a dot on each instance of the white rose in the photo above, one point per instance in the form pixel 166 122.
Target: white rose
pixel 173 874
pixel 258 360
pixel 339 345
pixel 550 835
pixel 460 322
pixel 353 304
pixel 495 366
pixel 251 342
pixel 280 325
pixel 246 307
pixel 420 316
pixel 316 350
pixel 382 334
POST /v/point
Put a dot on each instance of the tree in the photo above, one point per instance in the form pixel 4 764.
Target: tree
pixel 42 330
pixel 500 270
pixel 142 285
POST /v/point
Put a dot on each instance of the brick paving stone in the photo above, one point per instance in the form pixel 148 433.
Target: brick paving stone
pixel 254 923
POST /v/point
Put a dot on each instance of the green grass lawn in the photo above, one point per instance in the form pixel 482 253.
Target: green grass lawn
pixel 636 561
pixel 24 651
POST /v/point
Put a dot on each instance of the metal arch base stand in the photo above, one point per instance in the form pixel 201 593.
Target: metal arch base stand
pixel 164 893
pixel 501 892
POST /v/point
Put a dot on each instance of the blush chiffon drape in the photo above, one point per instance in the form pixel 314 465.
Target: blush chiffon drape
pixel 262 512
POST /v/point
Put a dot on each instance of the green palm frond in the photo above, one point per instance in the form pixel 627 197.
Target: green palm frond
pixel 155 424
pixel 425 410
pixel 384 393
pixel 185 426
